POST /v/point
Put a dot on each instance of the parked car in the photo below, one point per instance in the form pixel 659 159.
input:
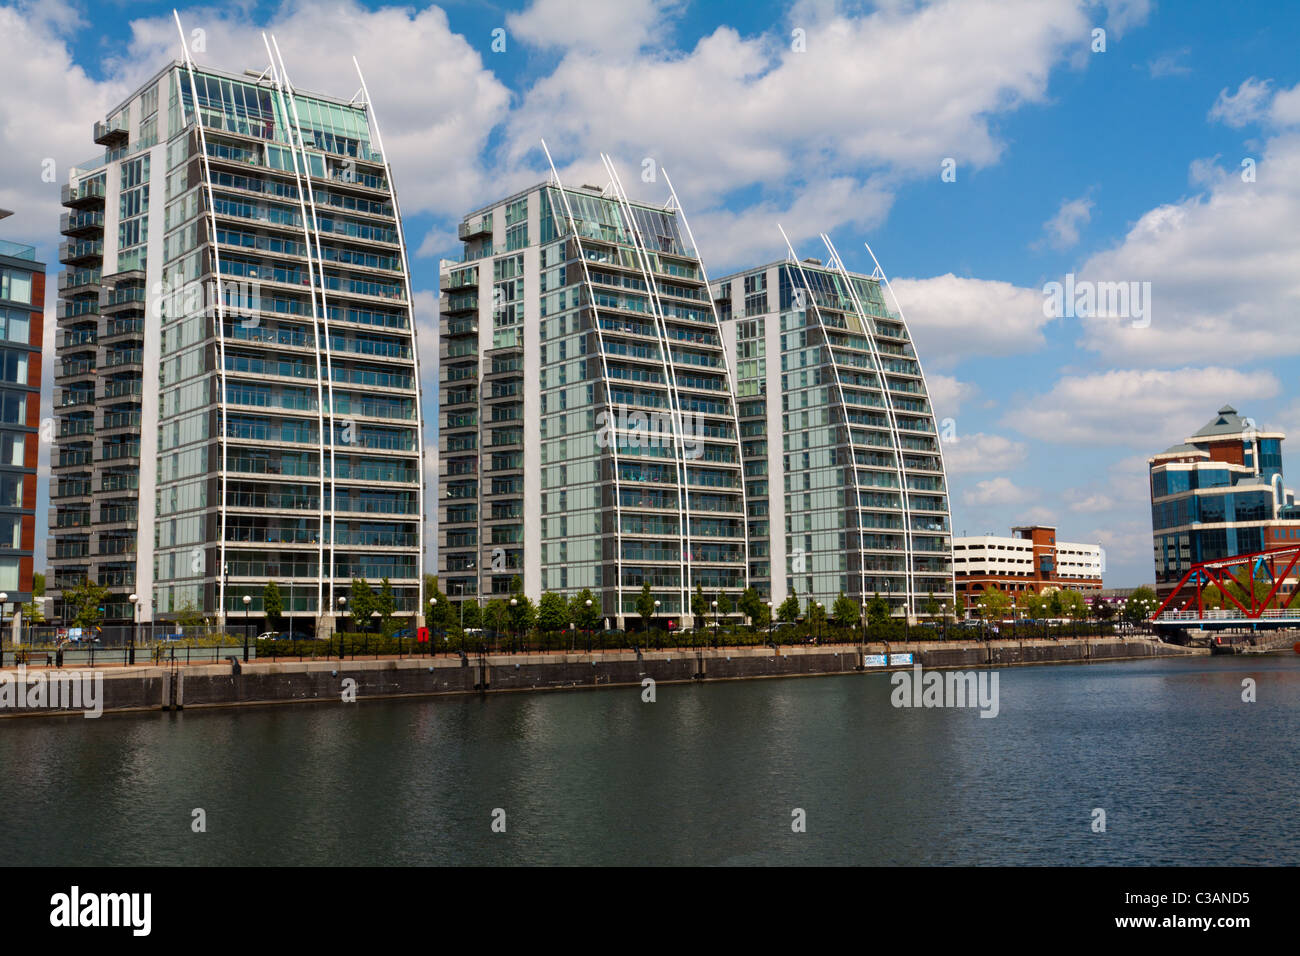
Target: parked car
pixel 404 634
pixel 295 636
pixel 268 636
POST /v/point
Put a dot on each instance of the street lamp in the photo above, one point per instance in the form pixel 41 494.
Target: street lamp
pixel 715 623
pixel 818 622
pixel 4 599
pixel 135 605
pixel 247 601
pixel 433 603
pixel 514 603
pixel 656 608
pixel 771 622
pixel 588 602
pixel 342 601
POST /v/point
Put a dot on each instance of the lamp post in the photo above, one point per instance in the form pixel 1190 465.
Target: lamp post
pixel 771 623
pixel 342 601
pixel 818 622
pixel 514 603
pixel 135 606
pixel 247 602
pixel 656 608
pixel 4 599
pixel 715 623
pixel 588 602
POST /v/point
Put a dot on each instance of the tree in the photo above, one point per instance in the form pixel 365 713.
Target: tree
pixel 497 615
pixel 471 615
pixel 386 605
pixel 522 615
pixel 752 606
pixel 932 607
pixel 994 605
pixel 272 604
pixel 34 611
pixel 1054 606
pixel 1141 604
pixel 361 604
pixel 553 612
pixel 1073 605
pixel 699 605
pixel 816 613
pixel 877 611
pixel 188 615
pixel 725 605
pixel 845 610
pixel 439 615
pixel 83 604
pixel 1033 604
pixel 587 618
pixel 645 606
pixel 788 612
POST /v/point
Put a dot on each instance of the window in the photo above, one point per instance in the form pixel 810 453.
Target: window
pixel 16 285
pixel 13 409
pixel 9 574
pixel 13 367
pixel 15 325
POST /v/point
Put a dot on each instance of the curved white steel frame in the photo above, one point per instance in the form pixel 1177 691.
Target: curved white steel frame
pixel 295 147
pixel 844 408
pixel 726 364
pixel 869 333
pixel 220 310
pixel 670 381
pixel 609 396
pixel 415 343
pixel 325 582
pixel 938 444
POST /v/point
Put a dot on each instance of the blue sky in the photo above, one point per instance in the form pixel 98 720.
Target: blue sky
pixel 1122 165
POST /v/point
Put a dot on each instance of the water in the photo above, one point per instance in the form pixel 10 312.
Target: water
pixel 709 774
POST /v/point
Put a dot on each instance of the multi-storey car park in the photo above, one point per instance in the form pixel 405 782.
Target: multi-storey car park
pixel 844 474
pixel 588 436
pixel 237 382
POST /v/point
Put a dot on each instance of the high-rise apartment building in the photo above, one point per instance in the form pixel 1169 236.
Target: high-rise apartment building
pixel 844 474
pixel 22 321
pixel 1219 493
pixel 237 383
pixel 588 436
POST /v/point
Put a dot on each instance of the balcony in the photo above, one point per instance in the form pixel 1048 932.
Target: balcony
pixel 124 357
pixel 82 222
pixel 81 369
pixel 111 134
pixel 121 299
pixel 79 280
pixel 115 329
pixel 82 252
pixel 474 230
pixel 70 309
pixel 17 250
pixel 87 193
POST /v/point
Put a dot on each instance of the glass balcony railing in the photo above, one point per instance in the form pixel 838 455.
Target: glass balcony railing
pixel 17 250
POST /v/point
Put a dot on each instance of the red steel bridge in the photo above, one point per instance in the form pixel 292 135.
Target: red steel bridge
pixel 1258 601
